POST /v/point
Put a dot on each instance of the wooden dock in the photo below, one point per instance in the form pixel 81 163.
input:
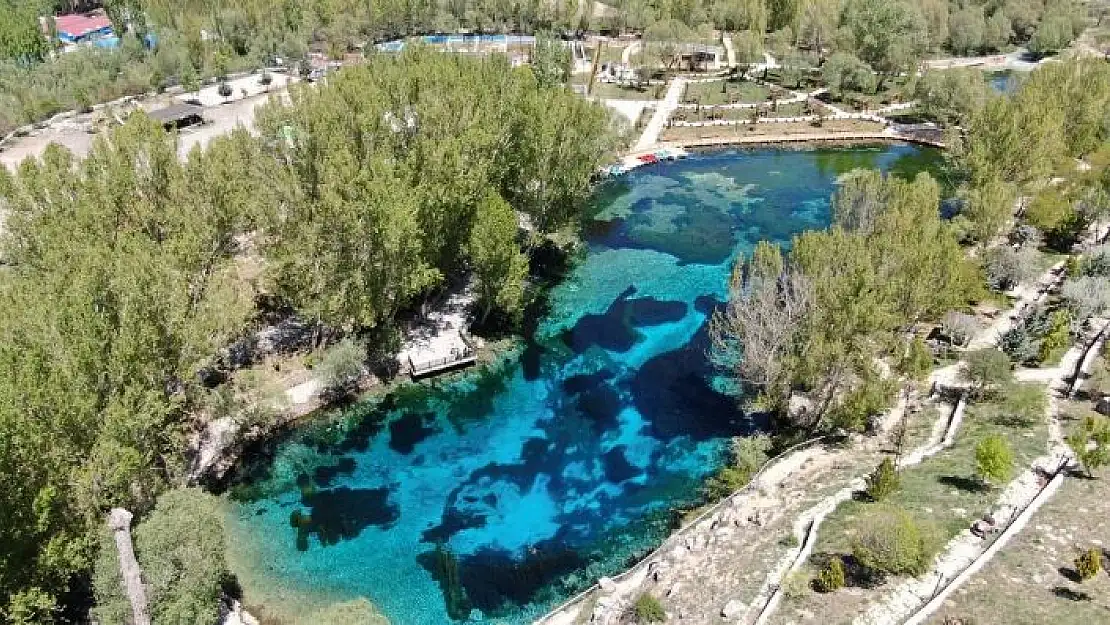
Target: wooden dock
pixel 462 355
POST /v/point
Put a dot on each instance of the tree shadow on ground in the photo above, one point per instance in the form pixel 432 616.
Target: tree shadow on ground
pixel 1070 574
pixel 1072 595
pixel 968 484
pixel 855 574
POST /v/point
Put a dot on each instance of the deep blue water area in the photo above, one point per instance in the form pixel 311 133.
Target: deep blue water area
pixel 493 495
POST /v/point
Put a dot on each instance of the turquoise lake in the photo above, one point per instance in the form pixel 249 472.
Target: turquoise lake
pixel 565 463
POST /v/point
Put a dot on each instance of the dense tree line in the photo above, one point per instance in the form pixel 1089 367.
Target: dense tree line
pixel 208 38
pixel 810 324
pixel 121 274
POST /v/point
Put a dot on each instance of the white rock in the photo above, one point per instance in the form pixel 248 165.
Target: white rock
pixel 733 608
pixel 606 585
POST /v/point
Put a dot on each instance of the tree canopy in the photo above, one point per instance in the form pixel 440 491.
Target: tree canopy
pixel 122 272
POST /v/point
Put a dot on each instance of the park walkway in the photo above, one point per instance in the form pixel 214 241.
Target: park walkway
pixel 662 113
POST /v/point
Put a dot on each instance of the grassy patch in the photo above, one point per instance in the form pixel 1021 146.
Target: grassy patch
pixel 1032 580
pixel 942 491
pixel 942 488
pixel 725 92
pixel 614 91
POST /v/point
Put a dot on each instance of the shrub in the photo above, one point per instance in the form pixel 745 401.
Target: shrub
pixel 1087 296
pixel 883 480
pixel 994 460
pixel 831 578
pixel 987 371
pixel 1057 339
pixel 747 454
pixel 224 90
pixel 648 609
pixel 1090 442
pixel 960 327
pixel 1088 564
pixel 1097 262
pixel 341 365
pixel 1019 344
pixel 1006 267
pixel 892 542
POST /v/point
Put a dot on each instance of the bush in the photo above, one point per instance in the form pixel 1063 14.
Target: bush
pixel 341 365
pixel 747 454
pixel 831 578
pixel 987 371
pixel 883 480
pixel 224 90
pixel 892 542
pixel 1090 442
pixel 994 460
pixel 960 327
pixel 1087 296
pixel 1097 262
pixel 648 609
pixel 1006 267
pixel 1057 339
pixel 1088 564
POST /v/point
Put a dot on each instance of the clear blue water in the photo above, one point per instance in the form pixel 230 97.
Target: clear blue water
pixel 567 461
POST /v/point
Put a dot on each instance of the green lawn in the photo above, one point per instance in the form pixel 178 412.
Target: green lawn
pixel 725 92
pixel 940 490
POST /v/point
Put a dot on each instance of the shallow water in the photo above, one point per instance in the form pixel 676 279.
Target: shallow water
pixel 495 495
pixel 1004 82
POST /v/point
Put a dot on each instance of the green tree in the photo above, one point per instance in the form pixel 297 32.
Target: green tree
pixel 748 48
pixel 953 95
pixel 845 73
pixel 889 35
pixel 180 548
pixel 832 577
pixel 1090 442
pixel 859 200
pixel 998 32
pixel 499 266
pixel 967 30
pixel 994 460
pixel 21 37
pixel 989 207
pixel 1053 34
pixel 883 481
pixel 550 60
